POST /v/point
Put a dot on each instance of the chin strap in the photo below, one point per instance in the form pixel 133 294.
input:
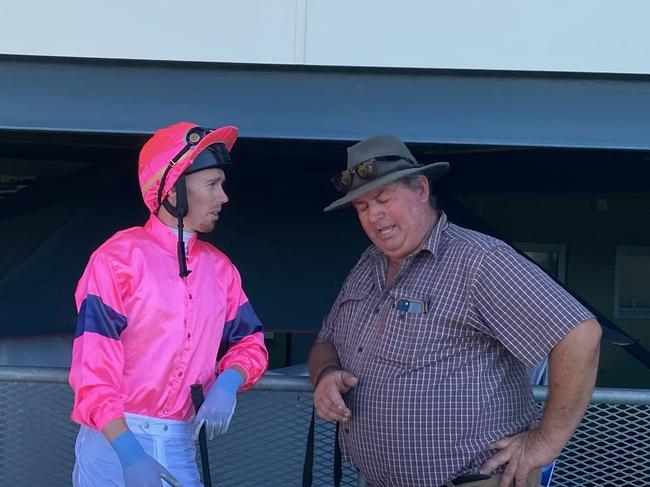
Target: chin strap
pixel 179 211
pixel 182 263
pixel 215 155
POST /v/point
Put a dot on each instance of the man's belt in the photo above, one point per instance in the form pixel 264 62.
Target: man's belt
pixel 467 478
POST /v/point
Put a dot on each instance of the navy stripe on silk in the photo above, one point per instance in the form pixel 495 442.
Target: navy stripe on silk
pixel 97 317
pixel 245 323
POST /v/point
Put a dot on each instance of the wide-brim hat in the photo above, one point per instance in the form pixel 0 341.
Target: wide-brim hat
pixel 158 152
pixel 391 160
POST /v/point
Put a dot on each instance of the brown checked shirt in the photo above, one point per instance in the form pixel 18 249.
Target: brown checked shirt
pixel 438 384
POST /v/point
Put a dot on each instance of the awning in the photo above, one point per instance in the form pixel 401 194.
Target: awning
pixel 297 102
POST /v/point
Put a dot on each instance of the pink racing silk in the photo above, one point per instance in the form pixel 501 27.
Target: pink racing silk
pixel 144 335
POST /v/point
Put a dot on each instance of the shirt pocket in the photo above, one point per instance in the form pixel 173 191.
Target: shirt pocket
pixel 354 308
pixel 404 336
pixel 412 341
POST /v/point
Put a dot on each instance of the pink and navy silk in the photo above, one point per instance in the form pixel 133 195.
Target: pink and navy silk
pixel 144 335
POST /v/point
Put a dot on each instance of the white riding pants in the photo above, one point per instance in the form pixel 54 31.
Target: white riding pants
pixel 167 441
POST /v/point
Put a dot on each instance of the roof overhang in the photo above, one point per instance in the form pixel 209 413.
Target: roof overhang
pixel 297 102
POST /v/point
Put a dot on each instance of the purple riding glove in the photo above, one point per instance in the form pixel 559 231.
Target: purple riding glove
pixel 219 405
pixel 139 469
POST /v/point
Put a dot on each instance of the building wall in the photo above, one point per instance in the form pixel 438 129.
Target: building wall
pixel 591 237
pixel 577 36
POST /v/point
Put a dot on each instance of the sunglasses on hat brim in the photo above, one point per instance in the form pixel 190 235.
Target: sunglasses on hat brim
pixel 367 169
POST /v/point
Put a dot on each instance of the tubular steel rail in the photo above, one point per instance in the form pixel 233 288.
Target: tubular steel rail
pixel 266 443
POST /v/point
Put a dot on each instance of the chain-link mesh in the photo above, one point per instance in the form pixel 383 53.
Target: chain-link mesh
pixel 611 447
pixel 36 435
pixel 265 445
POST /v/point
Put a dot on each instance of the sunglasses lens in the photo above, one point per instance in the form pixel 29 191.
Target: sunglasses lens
pixel 346 179
pixel 342 181
pixel 365 170
pixel 336 180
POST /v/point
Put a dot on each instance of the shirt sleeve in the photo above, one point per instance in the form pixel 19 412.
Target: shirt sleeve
pixel 242 342
pixel 97 353
pixel 349 289
pixel 521 306
pixel 326 333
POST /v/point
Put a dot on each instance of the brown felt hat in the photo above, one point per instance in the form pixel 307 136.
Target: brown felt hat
pixel 378 161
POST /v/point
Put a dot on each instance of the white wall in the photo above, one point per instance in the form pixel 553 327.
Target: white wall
pixel 250 31
pixel 552 35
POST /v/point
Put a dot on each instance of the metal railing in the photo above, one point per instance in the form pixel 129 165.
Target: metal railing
pixel 265 445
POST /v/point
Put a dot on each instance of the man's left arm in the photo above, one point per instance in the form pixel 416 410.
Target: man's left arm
pixel 242 342
pixel 242 360
pixel 573 365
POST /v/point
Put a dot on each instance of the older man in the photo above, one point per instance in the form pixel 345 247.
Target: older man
pixel 423 357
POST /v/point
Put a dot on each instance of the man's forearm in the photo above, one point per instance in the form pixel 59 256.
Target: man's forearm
pixel 322 356
pixel 573 366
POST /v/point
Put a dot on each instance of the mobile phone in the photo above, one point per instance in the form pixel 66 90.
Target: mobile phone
pixel 410 305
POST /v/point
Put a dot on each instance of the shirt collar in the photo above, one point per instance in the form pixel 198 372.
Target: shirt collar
pixel 432 242
pixel 168 239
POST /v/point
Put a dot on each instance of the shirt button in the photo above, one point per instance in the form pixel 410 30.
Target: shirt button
pixel 360 349
pixel 165 427
pixel 188 335
pixel 146 426
pixel 347 430
pixel 180 374
pixel 376 310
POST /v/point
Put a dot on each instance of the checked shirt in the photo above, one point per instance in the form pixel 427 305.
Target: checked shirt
pixel 436 387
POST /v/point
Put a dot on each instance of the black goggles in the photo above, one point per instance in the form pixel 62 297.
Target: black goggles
pixel 365 170
pixel 193 137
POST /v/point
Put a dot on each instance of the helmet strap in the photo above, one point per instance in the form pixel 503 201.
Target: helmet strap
pixel 179 211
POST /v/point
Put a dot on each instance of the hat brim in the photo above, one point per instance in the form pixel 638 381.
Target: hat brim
pixel 226 135
pixel 433 171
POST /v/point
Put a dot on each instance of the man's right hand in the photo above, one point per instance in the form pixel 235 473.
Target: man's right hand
pixel 139 469
pixel 328 399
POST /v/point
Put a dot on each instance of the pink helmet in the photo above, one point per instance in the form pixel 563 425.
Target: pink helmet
pixel 170 152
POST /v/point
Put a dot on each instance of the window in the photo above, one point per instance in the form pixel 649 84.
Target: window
pixel 632 283
pixel 550 257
